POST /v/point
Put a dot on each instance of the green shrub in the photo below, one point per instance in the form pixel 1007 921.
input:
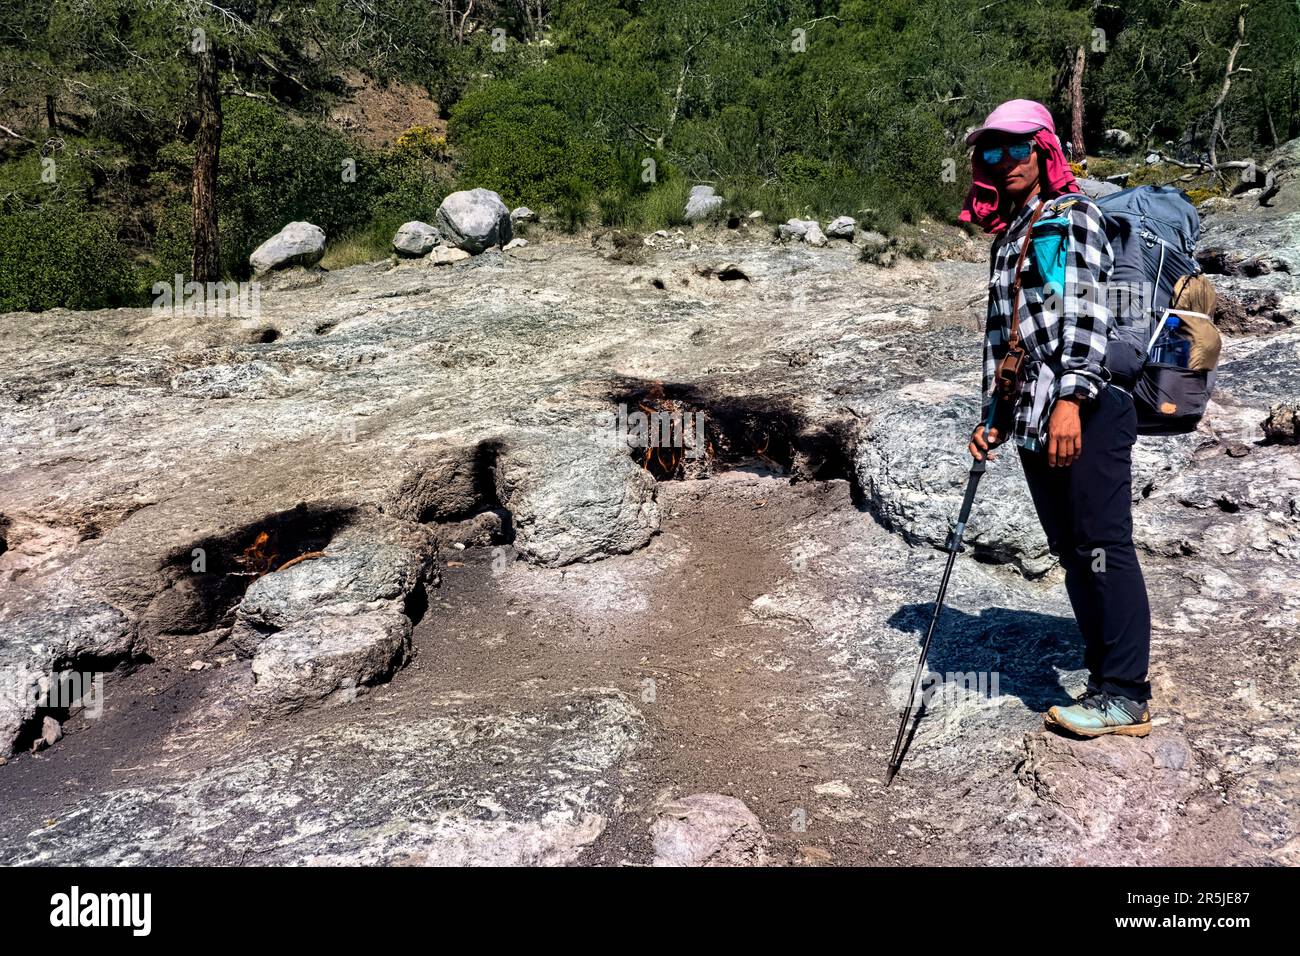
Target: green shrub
pixel 513 141
pixel 62 256
pixel 276 169
pixel 660 207
pixel 572 204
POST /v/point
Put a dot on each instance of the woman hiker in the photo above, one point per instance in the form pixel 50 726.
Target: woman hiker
pixel 1074 430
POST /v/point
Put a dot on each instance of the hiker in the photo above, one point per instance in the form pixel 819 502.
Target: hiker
pixel 1074 429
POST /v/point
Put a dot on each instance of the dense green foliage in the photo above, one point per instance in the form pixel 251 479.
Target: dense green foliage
pixel 594 111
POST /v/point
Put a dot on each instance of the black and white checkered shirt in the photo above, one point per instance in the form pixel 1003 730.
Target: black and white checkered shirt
pixel 1064 336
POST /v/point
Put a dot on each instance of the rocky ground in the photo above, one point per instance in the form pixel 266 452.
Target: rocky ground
pixel 372 578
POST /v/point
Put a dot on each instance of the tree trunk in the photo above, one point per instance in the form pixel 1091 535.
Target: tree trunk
pixel 1076 103
pixel 51 120
pixel 1231 70
pixel 207 147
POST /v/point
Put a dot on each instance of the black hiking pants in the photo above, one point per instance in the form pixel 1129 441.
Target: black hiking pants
pixel 1086 512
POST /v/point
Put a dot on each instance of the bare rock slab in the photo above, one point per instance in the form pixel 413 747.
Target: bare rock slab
pixel 1118 795
pixel 458 784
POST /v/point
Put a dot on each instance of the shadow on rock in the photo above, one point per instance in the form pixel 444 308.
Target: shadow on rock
pixel 998 651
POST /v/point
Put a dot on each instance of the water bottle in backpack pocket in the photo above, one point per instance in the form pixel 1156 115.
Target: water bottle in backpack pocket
pixel 1174 387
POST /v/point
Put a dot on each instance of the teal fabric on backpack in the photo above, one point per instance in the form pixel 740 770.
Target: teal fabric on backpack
pixel 1050 245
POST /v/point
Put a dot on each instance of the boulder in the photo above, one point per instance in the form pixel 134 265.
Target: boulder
pixel 708 829
pixel 474 220
pixel 874 239
pixel 38 640
pixel 1282 427
pixel 575 496
pixel 374 565
pixel 912 465
pixel 415 239
pixel 51 734
pixel 297 244
pixel 329 656
pixel 809 230
pixel 522 214
pixel 845 227
pixel 1096 188
pixel 795 228
pixel 702 203
pixel 1119 138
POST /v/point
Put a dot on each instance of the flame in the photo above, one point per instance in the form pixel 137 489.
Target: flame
pixel 256 558
pixel 665 459
pixel 762 452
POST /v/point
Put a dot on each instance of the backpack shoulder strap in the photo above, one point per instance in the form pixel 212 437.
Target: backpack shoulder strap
pixel 1013 341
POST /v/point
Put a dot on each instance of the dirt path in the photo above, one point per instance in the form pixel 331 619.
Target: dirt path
pixel 735 703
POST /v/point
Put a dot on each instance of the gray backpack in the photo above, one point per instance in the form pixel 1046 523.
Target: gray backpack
pixel 1153 232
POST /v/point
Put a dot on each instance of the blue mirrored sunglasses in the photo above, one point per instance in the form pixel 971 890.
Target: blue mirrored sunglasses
pixel 1017 151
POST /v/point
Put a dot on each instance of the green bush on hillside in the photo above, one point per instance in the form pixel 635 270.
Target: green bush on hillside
pixel 62 256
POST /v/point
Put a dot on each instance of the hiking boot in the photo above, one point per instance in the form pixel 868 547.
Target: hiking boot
pixel 1099 712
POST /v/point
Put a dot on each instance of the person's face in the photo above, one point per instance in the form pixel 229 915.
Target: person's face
pixel 1016 177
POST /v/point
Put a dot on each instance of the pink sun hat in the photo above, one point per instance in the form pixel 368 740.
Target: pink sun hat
pixel 1015 116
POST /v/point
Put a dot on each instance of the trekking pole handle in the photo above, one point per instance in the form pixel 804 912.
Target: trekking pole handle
pixel 993 410
pixel 977 469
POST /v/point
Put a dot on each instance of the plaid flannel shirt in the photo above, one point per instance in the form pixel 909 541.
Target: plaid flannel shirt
pixel 1064 336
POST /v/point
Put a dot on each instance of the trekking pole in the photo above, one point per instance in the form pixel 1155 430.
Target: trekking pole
pixel 953 545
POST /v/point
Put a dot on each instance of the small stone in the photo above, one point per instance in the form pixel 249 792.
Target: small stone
pixel 835 788
pixel 446 255
pixel 516 243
